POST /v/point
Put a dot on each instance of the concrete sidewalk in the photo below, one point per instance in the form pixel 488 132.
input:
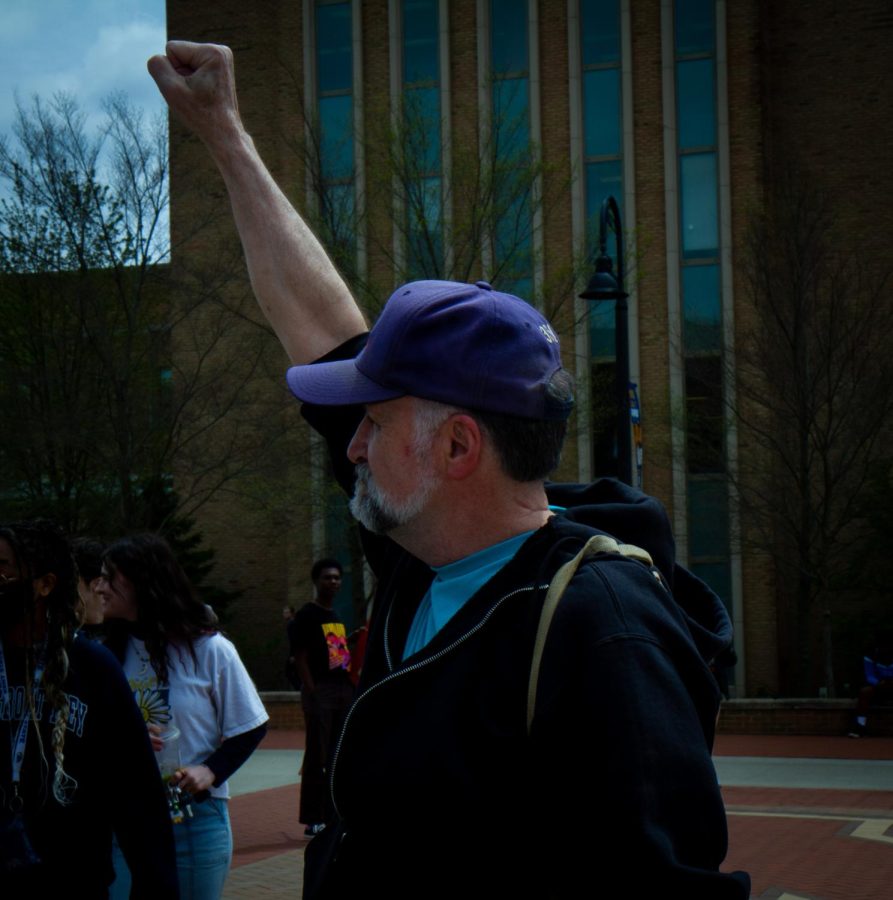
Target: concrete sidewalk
pixel 809 817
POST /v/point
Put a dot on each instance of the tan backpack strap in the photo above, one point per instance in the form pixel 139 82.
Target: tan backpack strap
pixel 598 543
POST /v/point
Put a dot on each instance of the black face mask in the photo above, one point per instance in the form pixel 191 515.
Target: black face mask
pixel 15 599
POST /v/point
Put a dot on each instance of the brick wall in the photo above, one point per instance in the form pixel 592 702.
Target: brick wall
pixel 284 709
pixel 792 716
pixel 808 716
pixel 805 79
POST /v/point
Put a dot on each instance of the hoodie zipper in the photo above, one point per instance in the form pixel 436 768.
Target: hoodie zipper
pixel 414 668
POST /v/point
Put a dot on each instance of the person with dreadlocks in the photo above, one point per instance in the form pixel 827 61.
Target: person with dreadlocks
pixel 189 681
pixel 72 741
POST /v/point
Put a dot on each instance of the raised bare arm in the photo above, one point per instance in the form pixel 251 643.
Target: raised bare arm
pixel 299 290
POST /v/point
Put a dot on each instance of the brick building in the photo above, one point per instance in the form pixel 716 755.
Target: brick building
pixel 403 129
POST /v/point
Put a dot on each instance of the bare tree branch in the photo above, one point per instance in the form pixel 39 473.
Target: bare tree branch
pixel 814 400
pixel 116 372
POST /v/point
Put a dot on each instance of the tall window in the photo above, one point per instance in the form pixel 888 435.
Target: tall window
pixel 334 131
pixel 511 158
pixel 420 162
pixel 334 172
pixel 707 487
pixel 603 161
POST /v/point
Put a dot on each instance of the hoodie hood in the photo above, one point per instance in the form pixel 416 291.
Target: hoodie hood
pixel 632 517
pixel 623 512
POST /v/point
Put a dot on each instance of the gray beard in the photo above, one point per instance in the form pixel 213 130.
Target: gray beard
pixel 378 513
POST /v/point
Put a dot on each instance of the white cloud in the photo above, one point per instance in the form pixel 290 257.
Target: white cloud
pixel 86 47
pixel 117 62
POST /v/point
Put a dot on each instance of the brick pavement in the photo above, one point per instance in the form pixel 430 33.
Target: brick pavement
pixel 265 824
pixel 796 843
pixel 822 844
pixel 803 746
pixel 278 876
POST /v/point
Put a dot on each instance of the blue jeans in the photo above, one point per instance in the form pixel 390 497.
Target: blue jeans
pixel 204 852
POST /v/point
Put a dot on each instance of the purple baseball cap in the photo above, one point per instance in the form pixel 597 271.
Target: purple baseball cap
pixel 465 345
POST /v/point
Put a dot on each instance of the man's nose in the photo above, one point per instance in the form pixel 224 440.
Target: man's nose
pixel 356 450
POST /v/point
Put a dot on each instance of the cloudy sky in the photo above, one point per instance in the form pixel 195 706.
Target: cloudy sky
pixel 85 47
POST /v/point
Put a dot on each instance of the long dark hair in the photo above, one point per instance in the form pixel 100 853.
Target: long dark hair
pixel 41 548
pixel 167 610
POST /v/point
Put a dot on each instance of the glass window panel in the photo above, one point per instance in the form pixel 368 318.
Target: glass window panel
pixel 602 180
pixel 600 26
pixel 696 102
pixel 602 343
pixel 718 576
pixel 508 35
pixel 339 220
pixel 340 199
pixel 421 118
pixel 510 117
pixel 700 218
pixel 695 26
pixel 702 307
pixel 705 424
pixel 601 112
pixel 336 139
pixel 603 419
pixel 520 287
pixel 334 69
pixel 423 210
pixel 513 234
pixel 512 241
pixel 432 203
pixel 420 44
pixel 708 517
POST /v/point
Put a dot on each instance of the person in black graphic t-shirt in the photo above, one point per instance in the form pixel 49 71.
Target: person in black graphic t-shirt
pixel 318 643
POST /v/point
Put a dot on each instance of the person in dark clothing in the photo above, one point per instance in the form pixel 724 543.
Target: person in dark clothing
pixel 65 703
pixel 878 687
pixel 617 758
pixel 319 646
pixel 444 422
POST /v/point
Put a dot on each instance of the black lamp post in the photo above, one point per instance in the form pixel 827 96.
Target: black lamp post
pixel 604 286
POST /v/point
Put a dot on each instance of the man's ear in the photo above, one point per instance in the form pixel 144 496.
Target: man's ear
pixel 465 445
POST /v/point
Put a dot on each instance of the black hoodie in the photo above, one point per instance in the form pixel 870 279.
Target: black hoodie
pixel 439 788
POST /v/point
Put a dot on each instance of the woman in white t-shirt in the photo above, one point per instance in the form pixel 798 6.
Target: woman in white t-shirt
pixel 186 678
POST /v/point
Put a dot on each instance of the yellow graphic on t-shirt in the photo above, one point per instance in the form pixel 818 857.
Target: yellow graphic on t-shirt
pixel 336 641
pixel 153 700
pixel 155 705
